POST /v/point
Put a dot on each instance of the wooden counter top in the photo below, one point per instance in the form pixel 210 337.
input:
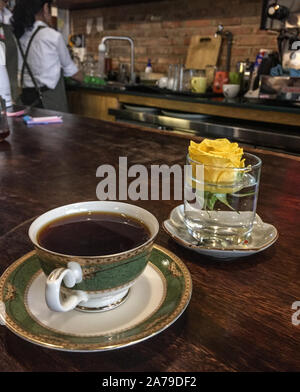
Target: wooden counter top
pixel 87 101
pixel 239 317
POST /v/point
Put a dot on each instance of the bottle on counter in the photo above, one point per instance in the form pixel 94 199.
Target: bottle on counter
pixel 221 78
pixel 108 63
pixel 148 68
pixel 253 90
pixel 244 68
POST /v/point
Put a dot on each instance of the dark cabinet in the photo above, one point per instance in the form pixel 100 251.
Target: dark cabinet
pixel 79 4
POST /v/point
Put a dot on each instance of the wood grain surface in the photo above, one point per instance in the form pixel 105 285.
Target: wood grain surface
pixel 239 317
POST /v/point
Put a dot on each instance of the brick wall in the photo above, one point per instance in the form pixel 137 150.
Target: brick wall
pixel 162 30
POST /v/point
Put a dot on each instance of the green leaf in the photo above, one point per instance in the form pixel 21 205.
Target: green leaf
pixel 222 197
pixel 210 200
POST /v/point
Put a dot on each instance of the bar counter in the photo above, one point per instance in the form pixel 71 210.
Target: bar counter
pixel 240 314
pixel 93 101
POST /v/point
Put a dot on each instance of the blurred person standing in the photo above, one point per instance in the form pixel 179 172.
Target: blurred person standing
pixel 44 57
pixel 8 57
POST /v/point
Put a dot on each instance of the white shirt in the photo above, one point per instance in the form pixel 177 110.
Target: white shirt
pixel 48 55
pixel 5 16
pixel 5 86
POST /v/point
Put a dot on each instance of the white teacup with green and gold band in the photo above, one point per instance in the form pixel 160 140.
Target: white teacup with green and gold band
pixel 98 282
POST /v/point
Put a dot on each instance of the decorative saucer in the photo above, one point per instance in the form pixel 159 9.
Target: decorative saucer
pixel 157 300
pixel 263 235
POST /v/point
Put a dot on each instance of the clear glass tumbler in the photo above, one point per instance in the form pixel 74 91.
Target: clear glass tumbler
pixel 173 70
pixel 220 202
pixel 186 82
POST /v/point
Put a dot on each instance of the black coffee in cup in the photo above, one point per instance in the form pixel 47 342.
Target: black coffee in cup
pixel 93 234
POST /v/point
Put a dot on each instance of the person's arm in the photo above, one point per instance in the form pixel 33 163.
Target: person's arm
pixel 69 67
pixel 78 76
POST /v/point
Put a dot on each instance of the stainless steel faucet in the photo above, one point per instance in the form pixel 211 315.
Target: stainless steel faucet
pixel 102 48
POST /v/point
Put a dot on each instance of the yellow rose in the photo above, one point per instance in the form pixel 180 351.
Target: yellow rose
pixel 220 157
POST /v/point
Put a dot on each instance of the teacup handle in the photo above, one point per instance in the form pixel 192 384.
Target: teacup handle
pixel 70 276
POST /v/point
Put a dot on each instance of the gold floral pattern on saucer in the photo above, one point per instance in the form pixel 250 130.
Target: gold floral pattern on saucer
pixel 157 299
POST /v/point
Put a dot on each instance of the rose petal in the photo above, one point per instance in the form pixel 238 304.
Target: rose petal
pixel 215 155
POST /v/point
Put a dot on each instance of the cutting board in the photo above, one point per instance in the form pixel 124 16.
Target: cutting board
pixel 203 51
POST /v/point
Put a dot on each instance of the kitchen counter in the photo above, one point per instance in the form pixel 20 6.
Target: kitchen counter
pixel 239 317
pixel 238 108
